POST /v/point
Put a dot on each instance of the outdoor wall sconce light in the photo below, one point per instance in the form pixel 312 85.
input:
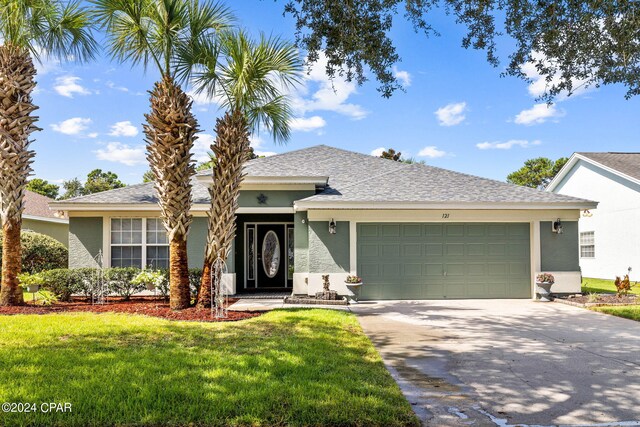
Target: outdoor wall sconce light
pixel 557 226
pixel 332 226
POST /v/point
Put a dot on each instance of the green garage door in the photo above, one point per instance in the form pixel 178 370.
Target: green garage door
pixel 435 261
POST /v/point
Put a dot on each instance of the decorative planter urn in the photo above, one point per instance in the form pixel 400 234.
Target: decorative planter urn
pixel 151 286
pixel 544 290
pixel 354 288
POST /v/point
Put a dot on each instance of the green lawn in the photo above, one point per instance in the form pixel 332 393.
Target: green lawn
pixel 628 311
pixel 293 367
pixel 602 285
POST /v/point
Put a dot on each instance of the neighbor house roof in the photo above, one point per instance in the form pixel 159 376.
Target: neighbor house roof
pixel 36 206
pixel 351 177
pixel 626 165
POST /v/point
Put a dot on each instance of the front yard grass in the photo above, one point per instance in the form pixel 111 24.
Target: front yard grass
pixel 628 312
pixel 604 286
pixel 287 367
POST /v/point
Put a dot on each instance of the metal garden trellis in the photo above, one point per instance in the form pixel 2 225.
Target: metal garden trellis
pixel 218 293
pixel 99 291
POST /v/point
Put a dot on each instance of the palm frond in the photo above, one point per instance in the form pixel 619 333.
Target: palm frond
pixel 48 27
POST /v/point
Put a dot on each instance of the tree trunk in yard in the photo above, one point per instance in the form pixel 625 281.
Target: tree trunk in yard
pixel 170 132
pixel 17 82
pixel 231 150
pixel 179 292
pixel 11 293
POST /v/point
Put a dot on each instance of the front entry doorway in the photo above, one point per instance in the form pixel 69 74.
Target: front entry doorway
pixel 268 256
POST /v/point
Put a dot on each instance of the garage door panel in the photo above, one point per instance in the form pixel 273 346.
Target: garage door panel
pixel 368 250
pixel 433 249
pixel 436 270
pixel 476 249
pixel 411 230
pixel 431 261
pixel 454 249
pixel 412 269
pixel 412 250
pixel 391 250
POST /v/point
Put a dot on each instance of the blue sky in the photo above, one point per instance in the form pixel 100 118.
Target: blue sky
pixel 457 112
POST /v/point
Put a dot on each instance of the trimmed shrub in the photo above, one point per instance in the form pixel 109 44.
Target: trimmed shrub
pixel 61 281
pixel 40 252
pixel 119 281
pixel 87 280
pixel 195 275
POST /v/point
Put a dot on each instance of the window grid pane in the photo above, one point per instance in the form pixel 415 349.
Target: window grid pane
pixel 128 239
pixel 587 245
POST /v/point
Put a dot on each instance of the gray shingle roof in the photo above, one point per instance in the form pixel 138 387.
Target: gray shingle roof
pixel 419 183
pixel 356 177
pixel 134 194
pixel 626 163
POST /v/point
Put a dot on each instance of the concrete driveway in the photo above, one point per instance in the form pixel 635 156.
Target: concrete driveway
pixel 509 362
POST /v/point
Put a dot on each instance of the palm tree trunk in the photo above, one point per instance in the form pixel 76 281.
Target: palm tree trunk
pixel 179 296
pixel 11 292
pixel 17 81
pixel 170 133
pixel 231 150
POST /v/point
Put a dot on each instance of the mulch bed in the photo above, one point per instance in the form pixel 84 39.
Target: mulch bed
pixel 148 306
pixel 603 299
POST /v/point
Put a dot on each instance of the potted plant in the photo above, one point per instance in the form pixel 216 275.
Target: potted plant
pixel 543 284
pixel 353 284
pixel 150 279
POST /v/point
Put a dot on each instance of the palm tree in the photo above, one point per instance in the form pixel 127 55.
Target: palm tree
pixel 29 29
pixel 249 79
pixel 156 32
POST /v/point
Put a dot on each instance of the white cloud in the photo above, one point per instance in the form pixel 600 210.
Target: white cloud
pixel 451 114
pixel 121 153
pixel 68 85
pixel 308 124
pixel 403 76
pixel 257 143
pixel 125 128
pixel 378 151
pixel 539 113
pixel 202 147
pixel 431 152
pixel 319 93
pixel 73 126
pixel 539 84
pixel 92 135
pixel 112 85
pixel 202 99
pixel 497 145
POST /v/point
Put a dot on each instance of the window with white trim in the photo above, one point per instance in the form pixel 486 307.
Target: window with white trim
pixel 587 244
pixel 138 242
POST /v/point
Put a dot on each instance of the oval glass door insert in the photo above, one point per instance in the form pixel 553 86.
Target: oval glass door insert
pixel 271 254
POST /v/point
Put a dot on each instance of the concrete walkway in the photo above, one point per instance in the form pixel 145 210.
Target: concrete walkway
pixel 509 362
pixel 247 304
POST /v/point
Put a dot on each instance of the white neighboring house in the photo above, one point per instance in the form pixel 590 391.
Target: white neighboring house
pixel 610 234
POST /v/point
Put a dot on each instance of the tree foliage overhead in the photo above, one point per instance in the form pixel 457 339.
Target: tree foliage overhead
pixel 537 173
pixel 569 42
pixel 44 187
pixel 97 181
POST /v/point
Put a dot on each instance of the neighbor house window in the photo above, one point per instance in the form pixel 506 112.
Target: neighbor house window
pixel 587 245
pixel 139 242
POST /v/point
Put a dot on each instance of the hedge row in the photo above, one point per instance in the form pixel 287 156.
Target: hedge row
pixel 40 252
pixel 64 282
